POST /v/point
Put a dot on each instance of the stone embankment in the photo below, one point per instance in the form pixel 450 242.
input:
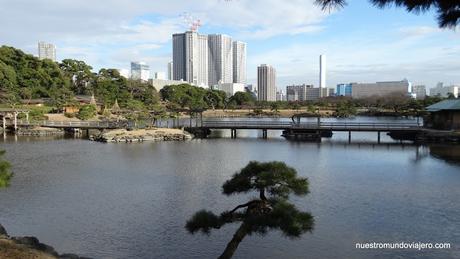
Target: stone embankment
pixel 141 135
pixel 28 248
pixel 39 131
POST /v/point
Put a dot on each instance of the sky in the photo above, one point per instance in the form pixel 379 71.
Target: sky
pixel 362 43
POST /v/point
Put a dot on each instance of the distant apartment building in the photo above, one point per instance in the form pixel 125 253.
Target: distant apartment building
pixel 364 90
pixel 419 92
pixel 170 70
pixel 239 62
pixel 444 91
pixel 140 71
pixel 266 83
pixel 343 90
pixel 190 58
pixel 220 59
pixel 314 93
pixel 46 51
pixel 124 72
pixel 230 88
pixel 280 96
pixel 297 92
pixel 160 83
pixel 159 75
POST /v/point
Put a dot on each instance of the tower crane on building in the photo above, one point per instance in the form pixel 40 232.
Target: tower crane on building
pixel 193 23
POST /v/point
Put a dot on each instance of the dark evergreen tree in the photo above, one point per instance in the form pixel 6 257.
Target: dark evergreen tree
pixel 273 182
pixel 448 11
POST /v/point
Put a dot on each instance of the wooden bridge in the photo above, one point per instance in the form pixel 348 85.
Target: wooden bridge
pixel 291 130
pixel 312 130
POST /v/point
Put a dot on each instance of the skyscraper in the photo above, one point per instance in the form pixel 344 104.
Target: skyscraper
pixel 190 58
pixel 170 70
pixel 46 51
pixel 322 73
pixel 239 62
pixel 266 83
pixel 220 59
pixel 140 71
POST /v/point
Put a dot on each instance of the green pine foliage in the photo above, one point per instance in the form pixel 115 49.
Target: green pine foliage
pixel 274 182
pixel 5 174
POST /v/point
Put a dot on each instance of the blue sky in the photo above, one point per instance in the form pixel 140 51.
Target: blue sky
pixel 362 43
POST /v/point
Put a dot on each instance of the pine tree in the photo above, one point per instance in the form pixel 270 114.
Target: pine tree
pixel 274 182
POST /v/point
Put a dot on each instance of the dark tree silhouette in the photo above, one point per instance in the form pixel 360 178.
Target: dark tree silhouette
pixel 448 11
pixel 5 174
pixel 273 182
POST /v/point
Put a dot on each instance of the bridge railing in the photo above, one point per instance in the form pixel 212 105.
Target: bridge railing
pixel 311 125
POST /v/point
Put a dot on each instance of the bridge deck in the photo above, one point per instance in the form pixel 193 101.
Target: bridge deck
pixel 333 126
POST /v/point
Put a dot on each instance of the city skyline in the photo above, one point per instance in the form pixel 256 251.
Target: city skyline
pixel 413 46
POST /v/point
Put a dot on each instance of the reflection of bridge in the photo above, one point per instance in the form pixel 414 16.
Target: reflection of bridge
pixel 292 130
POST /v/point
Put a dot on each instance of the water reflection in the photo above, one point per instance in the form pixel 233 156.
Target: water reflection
pixel 449 153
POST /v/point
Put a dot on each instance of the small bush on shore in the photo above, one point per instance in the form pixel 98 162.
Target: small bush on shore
pixel 87 112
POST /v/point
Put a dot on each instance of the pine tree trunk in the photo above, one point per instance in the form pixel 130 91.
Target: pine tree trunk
pixel 236 240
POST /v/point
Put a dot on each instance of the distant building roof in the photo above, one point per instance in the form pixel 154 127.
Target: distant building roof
pixel 450 104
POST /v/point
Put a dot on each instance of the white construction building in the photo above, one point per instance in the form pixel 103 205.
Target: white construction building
pixel 239 62
pixel 220 59
pixel 190 58
pixel 46 51
pixel 140 71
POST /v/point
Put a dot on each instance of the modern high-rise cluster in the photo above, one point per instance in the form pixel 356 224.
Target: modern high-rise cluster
pixel 46 51
pixel 208 60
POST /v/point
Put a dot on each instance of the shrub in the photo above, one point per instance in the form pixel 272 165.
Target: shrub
pixel 87 112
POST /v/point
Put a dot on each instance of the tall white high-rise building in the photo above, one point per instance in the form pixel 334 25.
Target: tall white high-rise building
pixel 220 59
pixel 46 51
pixel 140 71
pixel 239 62
pixel 322 72
pixel 266 83
pixel 190 58
pixel 170 70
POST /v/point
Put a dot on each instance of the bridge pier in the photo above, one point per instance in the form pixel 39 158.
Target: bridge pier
pixel 264 134
pixel 378 137
pixel 349 136
pixel 233 133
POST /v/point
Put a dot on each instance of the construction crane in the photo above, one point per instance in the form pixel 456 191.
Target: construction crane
pixel 192 22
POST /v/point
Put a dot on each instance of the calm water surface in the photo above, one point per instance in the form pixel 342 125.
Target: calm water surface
pixel 132 200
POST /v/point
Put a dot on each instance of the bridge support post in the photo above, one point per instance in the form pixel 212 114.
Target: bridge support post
pixel 378 137
pixel 264 134
pixel 233 133
pixel 15 121
pixel 349 136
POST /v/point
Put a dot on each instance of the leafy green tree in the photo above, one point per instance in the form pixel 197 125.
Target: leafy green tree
pixel 274 107
pixel 243 98
pixel 448 11
pixel 214 99
pixel 5 174
pixel 79 74
pixel 274 182
pixel 345 109
pixel 87 112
